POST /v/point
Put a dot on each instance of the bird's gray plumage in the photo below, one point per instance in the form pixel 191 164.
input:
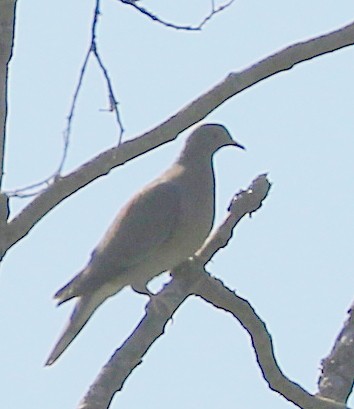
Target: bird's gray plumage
pixel 160 227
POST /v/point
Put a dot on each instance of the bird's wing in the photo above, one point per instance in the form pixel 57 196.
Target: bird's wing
pixel 140 228
pixel 146 222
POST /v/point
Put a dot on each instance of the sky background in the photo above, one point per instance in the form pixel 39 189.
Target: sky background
pixel 293 260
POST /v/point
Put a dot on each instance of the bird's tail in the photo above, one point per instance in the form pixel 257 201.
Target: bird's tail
pixel 69 290
pixel 84 308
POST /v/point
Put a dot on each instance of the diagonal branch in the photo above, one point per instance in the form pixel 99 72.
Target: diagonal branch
pixel 114 374
pixel 235 83
pixel 214 292
pixel 337 372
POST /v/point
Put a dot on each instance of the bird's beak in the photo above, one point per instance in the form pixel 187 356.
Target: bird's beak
pixel 238 145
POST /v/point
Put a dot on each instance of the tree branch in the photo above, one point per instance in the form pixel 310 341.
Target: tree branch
pixel 168 130
pixel 214 292
pixel 7 24
pixel 39 187
pixel 337 373
pixel 198 27
pixel 113 103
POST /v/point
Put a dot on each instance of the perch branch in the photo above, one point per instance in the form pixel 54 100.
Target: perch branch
pixel 162 306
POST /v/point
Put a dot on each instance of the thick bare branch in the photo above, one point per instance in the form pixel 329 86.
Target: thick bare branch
pixel 114 374
pixel 162 306
pixel 214 292
pixel 337 373
pixel 7 24
pixel 168 130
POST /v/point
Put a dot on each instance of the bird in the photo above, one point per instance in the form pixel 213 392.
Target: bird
pixel 160 227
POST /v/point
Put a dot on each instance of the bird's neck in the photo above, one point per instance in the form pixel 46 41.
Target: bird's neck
pixel 199 170
pixel 191 160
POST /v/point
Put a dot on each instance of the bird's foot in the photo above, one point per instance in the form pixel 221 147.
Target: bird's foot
pixel 142 289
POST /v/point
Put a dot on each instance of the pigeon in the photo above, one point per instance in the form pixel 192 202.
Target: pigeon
pixel 163 225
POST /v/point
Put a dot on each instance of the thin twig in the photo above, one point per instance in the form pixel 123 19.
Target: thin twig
pixel 113 103
pixel 112 99
pixel 27 191
pixel 213 12
pixel 67 131
pixel 39 187
pixel 197 27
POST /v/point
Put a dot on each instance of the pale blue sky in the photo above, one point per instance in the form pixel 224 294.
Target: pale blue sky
pixel 293 260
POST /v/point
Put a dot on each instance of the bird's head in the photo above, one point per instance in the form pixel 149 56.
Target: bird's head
pixel 207 139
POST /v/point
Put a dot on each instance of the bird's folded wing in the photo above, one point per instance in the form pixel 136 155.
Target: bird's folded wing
pixel 146 222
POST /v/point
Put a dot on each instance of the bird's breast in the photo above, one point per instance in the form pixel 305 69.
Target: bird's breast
pixel 196 216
